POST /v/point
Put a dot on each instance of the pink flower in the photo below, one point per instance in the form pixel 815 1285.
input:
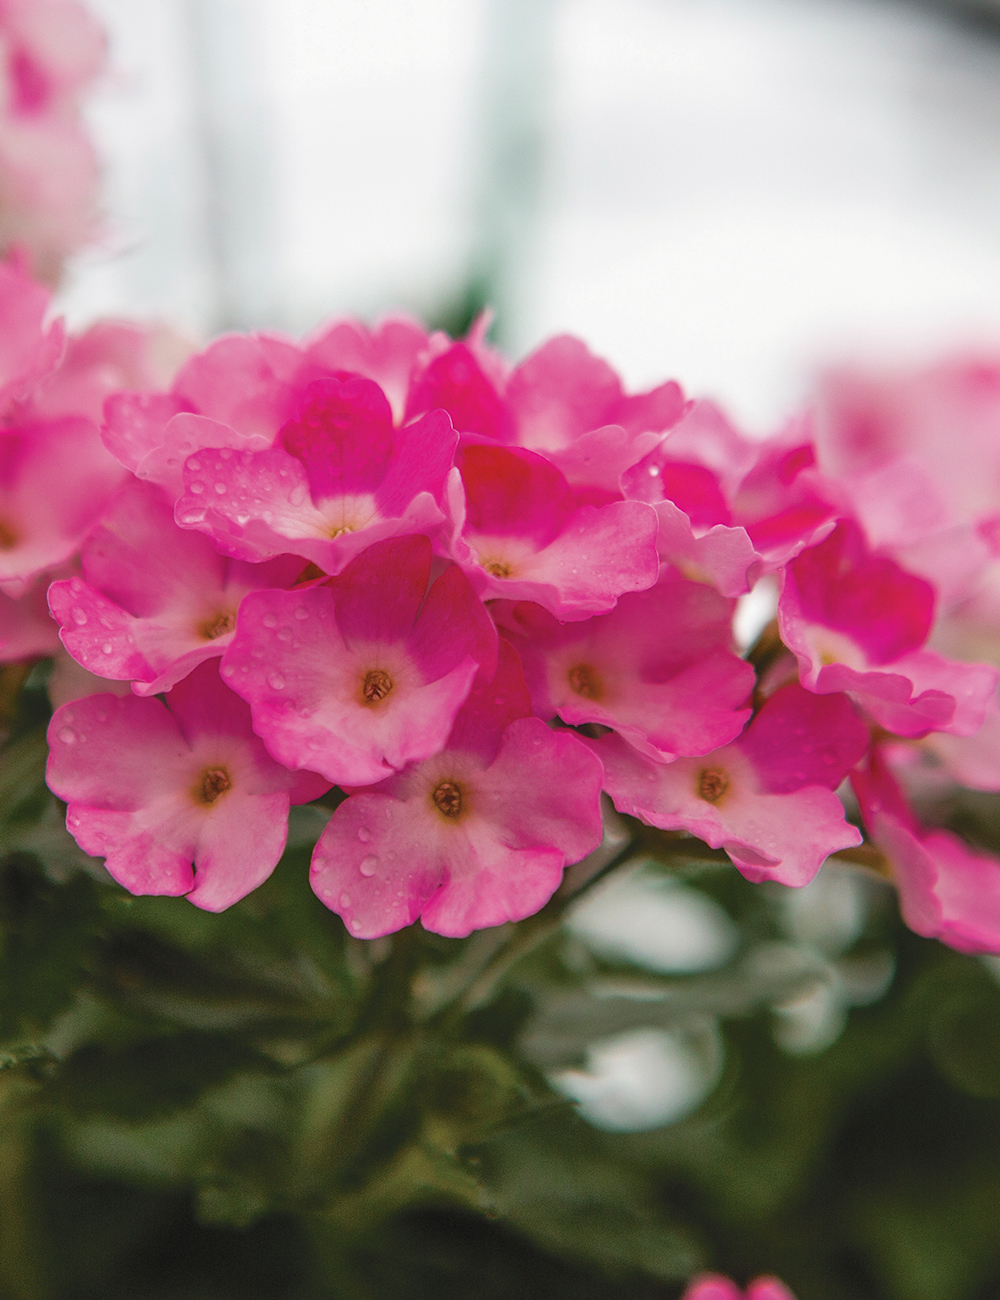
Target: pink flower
pixel 55 481
pixel 947 890
pixel 360 676
pixel 475 836
pixel 767 799
pixel 857 622
pixel 890 437
pixel 154 600
pixel 455 379
pixel 50 50
pixel 730 510
pixel 339 478
pixel 109 357
pixel 658 669
pixel 387 354
pixel 179 798
pixel 236 394
pixel 713 1286
pixel 561 392
pixel 29 349
pixel 520 534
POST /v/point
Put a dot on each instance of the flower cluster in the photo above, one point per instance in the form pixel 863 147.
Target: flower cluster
pixel 474 597
pixel 50 52
pixel 713 1286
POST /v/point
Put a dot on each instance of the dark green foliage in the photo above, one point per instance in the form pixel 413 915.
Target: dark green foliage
pixel 253 1104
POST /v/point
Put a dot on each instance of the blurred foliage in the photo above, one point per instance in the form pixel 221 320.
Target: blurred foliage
pixel 254 1104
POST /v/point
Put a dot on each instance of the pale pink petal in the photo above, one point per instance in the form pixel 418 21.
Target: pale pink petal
pixel 783 837
pixel 387 353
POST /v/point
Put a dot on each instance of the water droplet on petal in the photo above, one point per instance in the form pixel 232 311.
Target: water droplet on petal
pixel 364 834
pixel 285 634
pixel 228 670
pixel 106 648
pixel 368 865
pixel 301 613
pixel 276 681
pixel 270 620
pixel 221 489
pixel 197 489
pixel 354 925
pixel 67 735
pixel 194 464
pixel 345 900
pixel 79 616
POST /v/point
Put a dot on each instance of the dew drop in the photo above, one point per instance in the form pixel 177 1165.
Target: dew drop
pixel 301 613
pixel 285 634
pixel 79 617
pixel 345 900
pixel 364 834
pixel 73 820
pixel 270 620
pixel 355 925
pixel 368 865
pixel 67 735
pixel 197 489
pixel 225 453
pixel 194 464
pixel 221 489
pixel 106 648
pixel 276 681
pixel 228 670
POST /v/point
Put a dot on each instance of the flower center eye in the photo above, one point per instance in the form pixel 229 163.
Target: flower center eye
pixel 340 531
pixel 712 784
pixel 214 781
pixel 448 797
pixel 8 538
pixel 584 681
pixel 376 685
pixel 218 626
pixel 499 568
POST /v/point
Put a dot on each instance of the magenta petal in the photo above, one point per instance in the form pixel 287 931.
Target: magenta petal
pixel 885 610
pixel 422 455
pixel 799 738
pixel 93 745
pixel 238 848
pixel 560 392
pixel 510 491
pixel 492 707
pixel 56 479
pixel 184 436
pixel 712 1286
pixel 135 424
pixel 387 354
pixel 342 434
pixel 376 864
pixel 244 381
pixel 453 621
pixel 783 837
pixel 98 633
pixel 454 382
pixel 724 557
pixel 380 593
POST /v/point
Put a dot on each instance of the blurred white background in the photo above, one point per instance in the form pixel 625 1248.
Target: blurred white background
pixel 726 191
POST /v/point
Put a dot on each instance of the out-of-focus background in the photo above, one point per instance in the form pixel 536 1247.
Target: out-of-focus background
pixel 727 191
